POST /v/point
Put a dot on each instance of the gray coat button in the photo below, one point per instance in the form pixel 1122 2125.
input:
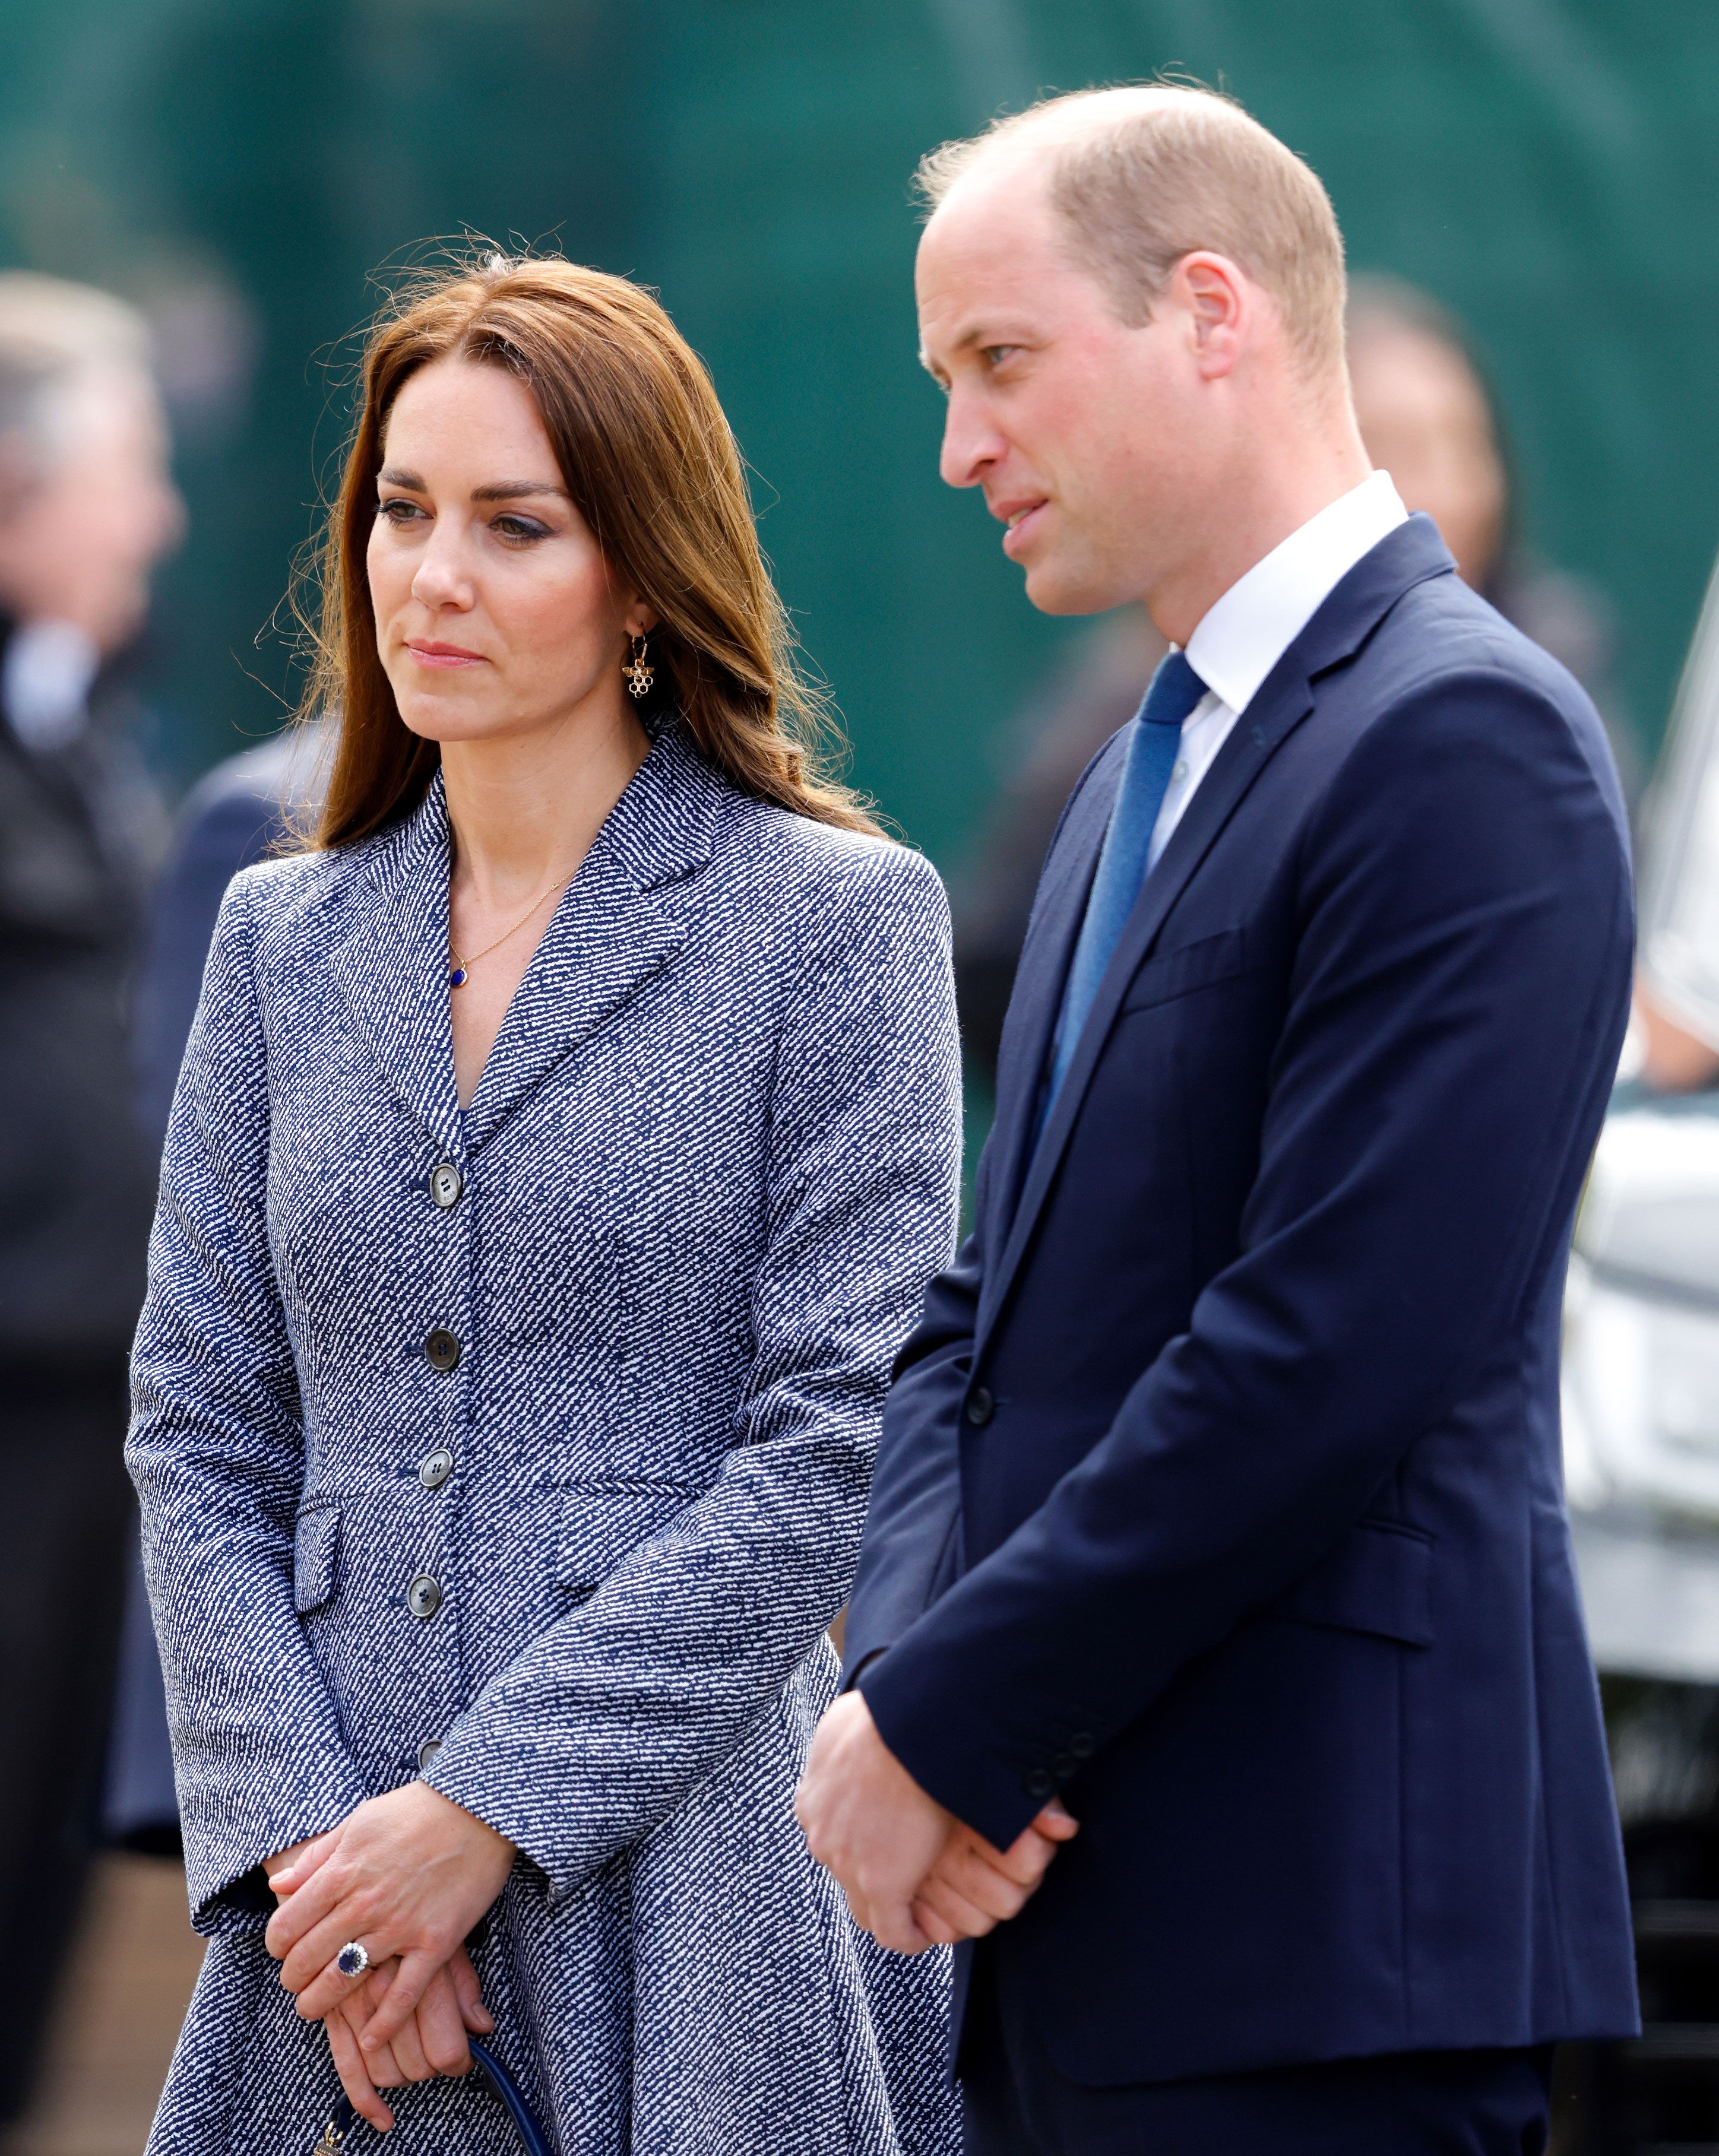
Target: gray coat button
pixel 445 1184
pixel 980 1407
pixel 423 1597
pixel 435 1469
pixel 426 1754
pixel 442 1348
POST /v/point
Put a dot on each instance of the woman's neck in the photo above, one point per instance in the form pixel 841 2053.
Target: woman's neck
pixel 524 811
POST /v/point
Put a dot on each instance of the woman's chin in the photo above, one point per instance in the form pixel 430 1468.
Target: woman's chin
pixel 444 719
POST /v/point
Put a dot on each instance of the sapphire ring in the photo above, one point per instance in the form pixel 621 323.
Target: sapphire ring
pixel 352 1960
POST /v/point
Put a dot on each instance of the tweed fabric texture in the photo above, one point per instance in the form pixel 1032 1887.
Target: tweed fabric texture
pixel 710 1167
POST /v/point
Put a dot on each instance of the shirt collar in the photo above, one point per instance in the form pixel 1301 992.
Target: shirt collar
pixel 1242 635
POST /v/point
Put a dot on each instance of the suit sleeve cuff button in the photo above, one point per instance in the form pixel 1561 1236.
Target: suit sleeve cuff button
pixel 1039 1784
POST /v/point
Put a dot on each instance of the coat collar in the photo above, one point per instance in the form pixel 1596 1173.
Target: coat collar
pixel 611 932
pixel 1406 557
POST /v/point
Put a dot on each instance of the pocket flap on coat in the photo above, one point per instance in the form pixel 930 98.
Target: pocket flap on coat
pixel 600 1524
pixel 315 1550
pixel 1172 973
pixel 1379 1578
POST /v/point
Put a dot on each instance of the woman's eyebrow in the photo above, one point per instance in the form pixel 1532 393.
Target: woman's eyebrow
pixel 392 475
pixel 509 490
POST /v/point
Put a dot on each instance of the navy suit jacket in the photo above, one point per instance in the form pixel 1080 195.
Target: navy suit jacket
pixel 1220 1485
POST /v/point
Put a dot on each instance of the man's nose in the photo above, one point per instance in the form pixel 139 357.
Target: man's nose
pixel 971 443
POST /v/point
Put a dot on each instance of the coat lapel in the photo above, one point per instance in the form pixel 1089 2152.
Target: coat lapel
pixel 1353 609
pixel 610 934
pixel 614 930
pixel 392 966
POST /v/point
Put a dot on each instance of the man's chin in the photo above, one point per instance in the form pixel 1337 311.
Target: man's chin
pixel 1055 587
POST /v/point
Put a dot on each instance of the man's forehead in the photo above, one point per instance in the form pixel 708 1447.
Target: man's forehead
pixel 986 276
pixel 990 234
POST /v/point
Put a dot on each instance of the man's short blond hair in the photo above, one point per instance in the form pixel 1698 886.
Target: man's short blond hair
pixel 54 338
pixel 1143 175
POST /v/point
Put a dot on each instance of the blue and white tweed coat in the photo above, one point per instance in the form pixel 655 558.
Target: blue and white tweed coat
pixel 709 1169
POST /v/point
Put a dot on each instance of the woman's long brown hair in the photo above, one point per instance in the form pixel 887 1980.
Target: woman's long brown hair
pixel 648 459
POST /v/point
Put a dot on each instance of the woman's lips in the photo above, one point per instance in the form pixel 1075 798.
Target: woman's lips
pixel 444 655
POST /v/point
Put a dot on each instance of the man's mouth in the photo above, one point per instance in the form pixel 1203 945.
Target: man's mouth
pixel 1017 519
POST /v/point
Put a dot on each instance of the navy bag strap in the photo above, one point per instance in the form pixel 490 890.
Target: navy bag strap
pixel 532 2139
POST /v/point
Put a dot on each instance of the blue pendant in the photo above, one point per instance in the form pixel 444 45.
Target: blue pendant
pixel 456 979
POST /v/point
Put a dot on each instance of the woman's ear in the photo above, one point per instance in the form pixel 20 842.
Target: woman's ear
pixel 640 620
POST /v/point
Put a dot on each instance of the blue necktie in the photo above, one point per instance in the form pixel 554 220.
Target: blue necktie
pixel 1155 736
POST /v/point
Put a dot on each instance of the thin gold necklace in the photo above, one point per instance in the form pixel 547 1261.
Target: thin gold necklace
pixel 460 970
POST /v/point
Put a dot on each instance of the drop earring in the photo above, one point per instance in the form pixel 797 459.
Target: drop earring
pixel 638 674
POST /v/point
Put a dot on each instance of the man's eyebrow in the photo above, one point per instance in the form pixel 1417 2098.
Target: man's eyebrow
pixel 976 336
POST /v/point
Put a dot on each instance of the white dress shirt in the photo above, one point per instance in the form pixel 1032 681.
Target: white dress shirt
pixel 1242 636
pixel 45 680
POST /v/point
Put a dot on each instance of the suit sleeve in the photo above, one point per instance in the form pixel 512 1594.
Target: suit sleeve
pixel 1456 1003
pixel 217 1452
pixel 607 1721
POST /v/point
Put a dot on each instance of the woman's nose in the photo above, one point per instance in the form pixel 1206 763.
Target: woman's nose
pixel 442 577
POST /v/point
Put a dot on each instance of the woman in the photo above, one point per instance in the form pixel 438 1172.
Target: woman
pixel 562 1149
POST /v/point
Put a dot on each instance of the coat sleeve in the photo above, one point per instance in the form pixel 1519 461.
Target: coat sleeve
pixel 1456 1003
pixel 217 1452
pixel 608 1719
pixel 912 1545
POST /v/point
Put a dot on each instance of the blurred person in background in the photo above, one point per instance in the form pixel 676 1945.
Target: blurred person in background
pixel 87 509
pixel 1427 415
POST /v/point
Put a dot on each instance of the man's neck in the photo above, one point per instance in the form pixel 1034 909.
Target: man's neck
pixel 1274 497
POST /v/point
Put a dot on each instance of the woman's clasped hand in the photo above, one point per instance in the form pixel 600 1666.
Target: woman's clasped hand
pixel 405 1876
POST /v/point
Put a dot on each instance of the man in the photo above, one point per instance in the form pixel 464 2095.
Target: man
pixel 86 509
pixel 1218 1498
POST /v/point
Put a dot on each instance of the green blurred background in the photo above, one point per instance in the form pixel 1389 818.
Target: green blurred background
pixel 1549 168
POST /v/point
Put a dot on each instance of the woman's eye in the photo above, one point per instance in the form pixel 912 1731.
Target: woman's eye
pixel 519 528
pixel 397 510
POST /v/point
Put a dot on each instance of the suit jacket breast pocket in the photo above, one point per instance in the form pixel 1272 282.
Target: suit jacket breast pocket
pixel 1169 974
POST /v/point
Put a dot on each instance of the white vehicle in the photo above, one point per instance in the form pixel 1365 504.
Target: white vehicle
pixel 1641 1467
pixel 1641 1341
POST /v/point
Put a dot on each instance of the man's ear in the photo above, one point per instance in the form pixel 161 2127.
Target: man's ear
pixel 1220 303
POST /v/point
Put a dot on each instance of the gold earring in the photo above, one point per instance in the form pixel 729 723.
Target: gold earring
pixel 638 674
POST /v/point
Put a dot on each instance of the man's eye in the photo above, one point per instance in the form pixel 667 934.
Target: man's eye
pixel 994 355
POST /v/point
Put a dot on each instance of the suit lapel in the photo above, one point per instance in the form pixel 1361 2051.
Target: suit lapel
pixel 1058 911
pixel 1353 609
pixel 613 931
